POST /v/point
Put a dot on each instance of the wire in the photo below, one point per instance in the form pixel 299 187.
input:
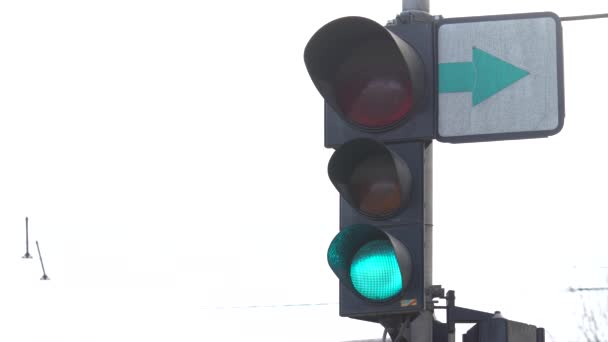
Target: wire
pixel 579 289
pixel 269 306
pixel 585 17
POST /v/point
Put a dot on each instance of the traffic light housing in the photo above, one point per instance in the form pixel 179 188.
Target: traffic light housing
pixel 378 82
pixel 378 85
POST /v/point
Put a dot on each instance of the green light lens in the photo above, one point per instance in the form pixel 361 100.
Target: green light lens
pixel 374 271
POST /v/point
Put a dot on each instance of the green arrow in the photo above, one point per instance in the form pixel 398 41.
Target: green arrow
pixel 485 76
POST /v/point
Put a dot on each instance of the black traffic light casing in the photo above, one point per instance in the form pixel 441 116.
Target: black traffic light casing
pixel 413 42
pixel 379 85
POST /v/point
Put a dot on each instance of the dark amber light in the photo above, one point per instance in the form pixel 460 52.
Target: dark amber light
pixel 375 186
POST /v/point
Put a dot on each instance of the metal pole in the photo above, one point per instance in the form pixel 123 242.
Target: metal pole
pixel 428 224
pixel 27 242
pixel 416 5
pixel 423 330
pixel 44 276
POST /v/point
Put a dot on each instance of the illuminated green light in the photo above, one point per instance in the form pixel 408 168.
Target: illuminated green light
pixel 374 271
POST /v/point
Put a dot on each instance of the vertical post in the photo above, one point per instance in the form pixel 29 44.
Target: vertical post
pixel 27 242
pixel 416 5
pixel 450 304
pixel 44 276
pixel 422 331
pixel 422 327
pixel 428 225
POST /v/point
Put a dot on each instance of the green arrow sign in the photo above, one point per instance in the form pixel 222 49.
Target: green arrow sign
pixel 485 76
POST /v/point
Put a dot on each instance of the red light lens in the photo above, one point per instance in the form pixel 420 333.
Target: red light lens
pixel 375 187
pixel 373 89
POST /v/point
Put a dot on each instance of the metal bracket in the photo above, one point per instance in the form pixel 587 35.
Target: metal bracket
pixel 412 16
pixel 411 328
pixel 424 327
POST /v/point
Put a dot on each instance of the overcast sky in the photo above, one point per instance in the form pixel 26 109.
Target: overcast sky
pixel 169 155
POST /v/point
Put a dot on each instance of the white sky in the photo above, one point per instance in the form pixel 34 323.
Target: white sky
pixel 170 157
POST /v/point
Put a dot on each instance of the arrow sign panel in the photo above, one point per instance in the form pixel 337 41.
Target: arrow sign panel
pixel 500 77
pixel 485 76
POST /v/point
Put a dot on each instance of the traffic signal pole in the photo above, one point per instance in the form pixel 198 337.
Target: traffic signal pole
pixel 424 6
pixel 428 226
pixel 422 326
pixel 416 5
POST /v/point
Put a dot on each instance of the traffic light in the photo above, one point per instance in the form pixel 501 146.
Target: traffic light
pixel 389 91
pixel 378 85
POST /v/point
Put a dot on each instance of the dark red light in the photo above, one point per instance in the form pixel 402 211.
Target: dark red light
pixel 373 88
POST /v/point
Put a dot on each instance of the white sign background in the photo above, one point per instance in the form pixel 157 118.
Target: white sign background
pixel 530 104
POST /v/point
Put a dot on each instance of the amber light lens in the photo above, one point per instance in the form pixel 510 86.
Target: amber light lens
pixel 375 186
pixel 373 88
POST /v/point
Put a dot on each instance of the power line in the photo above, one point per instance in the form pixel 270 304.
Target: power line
pixel 580 289
pixel 585 17
pixel 269 306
